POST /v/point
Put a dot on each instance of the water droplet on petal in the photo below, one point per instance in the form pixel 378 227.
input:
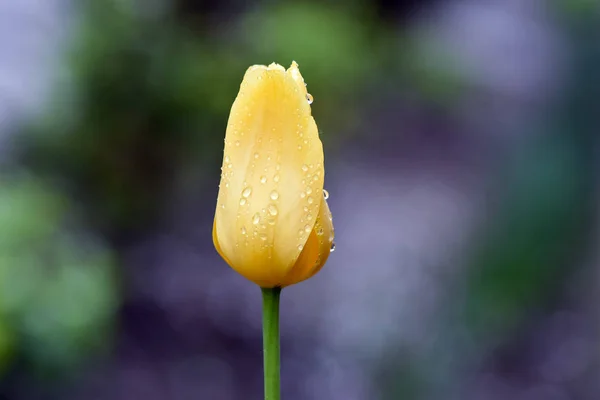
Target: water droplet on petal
pixel 227 159
pixel 256 155
pixel 332 249
pixel 299 247
pixel 274 195
pixel 309 98
pixel 299 147
pixel 247 192
pixel 276 178
pixel 263 236
pixel 308 190
pixel 309 217
pixel 304 167
pixel 256 219
pixel 242 201
pixel 302 195
pixel 237 143
pixel 325 194
pixel 309 200
pixel 307 228
pixel 243 230
pixel 301 232
pixel 272 209
pixel 263 179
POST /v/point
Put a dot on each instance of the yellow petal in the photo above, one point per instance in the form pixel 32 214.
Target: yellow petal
pixel 316 251
pixel 272 176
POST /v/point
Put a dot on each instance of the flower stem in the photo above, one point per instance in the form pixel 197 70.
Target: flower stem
pixel 271 342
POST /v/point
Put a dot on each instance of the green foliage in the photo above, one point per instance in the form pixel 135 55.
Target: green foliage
pixel 522 259
pixel 57 286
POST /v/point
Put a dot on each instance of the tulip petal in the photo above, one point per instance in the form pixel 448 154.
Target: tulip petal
pixel 272 179
pixel 316 251
pixel 216 243
pixel 305 263
pixel 326 233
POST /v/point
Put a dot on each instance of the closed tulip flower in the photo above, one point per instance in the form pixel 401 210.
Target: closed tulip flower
pixel 272 222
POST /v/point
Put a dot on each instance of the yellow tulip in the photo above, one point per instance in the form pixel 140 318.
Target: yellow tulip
pixel 272 223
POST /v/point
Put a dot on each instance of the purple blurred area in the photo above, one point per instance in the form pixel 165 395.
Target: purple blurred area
pixel 461 157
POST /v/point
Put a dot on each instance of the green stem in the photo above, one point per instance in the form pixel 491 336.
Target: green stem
pixel 271 342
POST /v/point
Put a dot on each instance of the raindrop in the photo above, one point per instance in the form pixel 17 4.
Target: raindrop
pixel 309 217
pixel 332 249
pixel 276 178
pixel 243 230
pixel 256 219
pixel 263 179
pixel 256 155
pixel 242 201
pixel 308 190
pixel 301 232
pixel 263 236
pixel 320 231
pixel 325 194
pixel 304 167
pixel 227 159
pixel 274 195
pixel 309 200
pixel 299 147
pixel 299 247
pixel 272 209
pixel 309 98
pixel 305 209
pixel 307 228
pixel 247 192
pixel 271 221
pixel 302 195
pixel 237 143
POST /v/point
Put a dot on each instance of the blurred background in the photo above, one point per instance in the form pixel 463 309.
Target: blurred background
pixel 461 142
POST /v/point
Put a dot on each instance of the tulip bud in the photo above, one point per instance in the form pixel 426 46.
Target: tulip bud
pixel 272 223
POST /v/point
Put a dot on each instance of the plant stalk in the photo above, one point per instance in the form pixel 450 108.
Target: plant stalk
pixel 271 342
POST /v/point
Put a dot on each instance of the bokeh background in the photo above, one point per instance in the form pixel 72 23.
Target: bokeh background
pixel 461 142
